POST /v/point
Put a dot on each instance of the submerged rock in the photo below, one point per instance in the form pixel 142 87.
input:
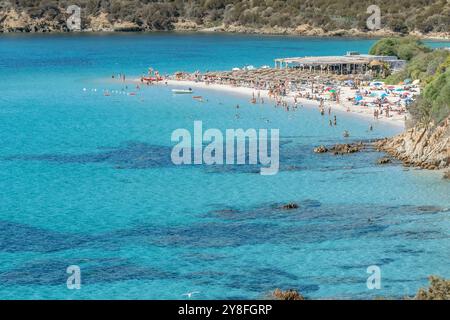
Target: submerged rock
pixel 446 175
pixel 290 206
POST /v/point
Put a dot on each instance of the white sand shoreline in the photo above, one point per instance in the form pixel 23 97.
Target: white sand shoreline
pixel 365 112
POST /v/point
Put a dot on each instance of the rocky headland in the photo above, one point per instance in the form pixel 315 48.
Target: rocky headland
pixel 427 147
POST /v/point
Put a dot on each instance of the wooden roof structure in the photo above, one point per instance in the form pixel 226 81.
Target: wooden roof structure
pixel 323 61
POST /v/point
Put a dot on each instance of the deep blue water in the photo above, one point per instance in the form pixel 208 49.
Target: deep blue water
pixel 87 180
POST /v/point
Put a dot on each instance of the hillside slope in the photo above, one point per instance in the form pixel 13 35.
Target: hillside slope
pixel 426 142
pixel 303 17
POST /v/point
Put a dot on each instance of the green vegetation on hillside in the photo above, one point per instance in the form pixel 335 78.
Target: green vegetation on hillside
pixel 431 67
pixel 400 16
pixel 403 48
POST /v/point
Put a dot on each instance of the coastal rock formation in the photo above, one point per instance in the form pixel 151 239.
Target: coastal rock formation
pixel 14 21
pixel 290 206
pixel 383 160
pixel 100 23
pixel 51 16
pixel 290 294
pixel 347 148
pixel 439 289
pixel 320 149
pixel 426 147
pixel 340 149
pixel 447 175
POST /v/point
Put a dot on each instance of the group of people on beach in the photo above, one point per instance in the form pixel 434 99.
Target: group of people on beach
pixel 284 93
pixel 353 95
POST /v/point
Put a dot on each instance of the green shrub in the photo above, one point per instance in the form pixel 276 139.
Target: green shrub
pixel 403 48
pixel 401 16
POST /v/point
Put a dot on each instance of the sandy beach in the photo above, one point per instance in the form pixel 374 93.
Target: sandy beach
pixel 344 106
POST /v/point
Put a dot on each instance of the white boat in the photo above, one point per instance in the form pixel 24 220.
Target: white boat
pixel 182 91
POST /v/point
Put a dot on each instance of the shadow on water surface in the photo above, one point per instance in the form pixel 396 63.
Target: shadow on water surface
pixel 130 155
pixel 220 227
pixel 53 272
pixel 139 155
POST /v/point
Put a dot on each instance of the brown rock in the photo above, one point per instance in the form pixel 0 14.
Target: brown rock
pixel 447 175
pixel 383 160
pixel 290 294
pixel 347 148
pixel 427 147
pixel 439 289
pixel 320 149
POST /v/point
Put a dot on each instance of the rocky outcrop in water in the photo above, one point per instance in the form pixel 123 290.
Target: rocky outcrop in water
pixel 340 149
pixel 439 289
pixel 347 148
pixel 427 147
pixel 383 160
pixel 321 149
pixel 290 294
pixel 290 206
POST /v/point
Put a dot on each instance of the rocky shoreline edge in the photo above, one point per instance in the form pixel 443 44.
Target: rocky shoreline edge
pixel 426 147
pixel 423 147
pixel 12 21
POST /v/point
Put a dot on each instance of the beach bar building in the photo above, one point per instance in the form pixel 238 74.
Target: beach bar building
pixel 351 63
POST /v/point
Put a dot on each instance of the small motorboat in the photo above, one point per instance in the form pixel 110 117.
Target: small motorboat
pixel 182 91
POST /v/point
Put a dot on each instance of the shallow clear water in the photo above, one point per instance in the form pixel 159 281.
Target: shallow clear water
pixel 87 180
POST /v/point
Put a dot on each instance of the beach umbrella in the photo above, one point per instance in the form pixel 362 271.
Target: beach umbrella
pixel 407 81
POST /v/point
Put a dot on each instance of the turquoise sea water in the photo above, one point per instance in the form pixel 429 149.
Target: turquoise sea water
pixel 87 180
